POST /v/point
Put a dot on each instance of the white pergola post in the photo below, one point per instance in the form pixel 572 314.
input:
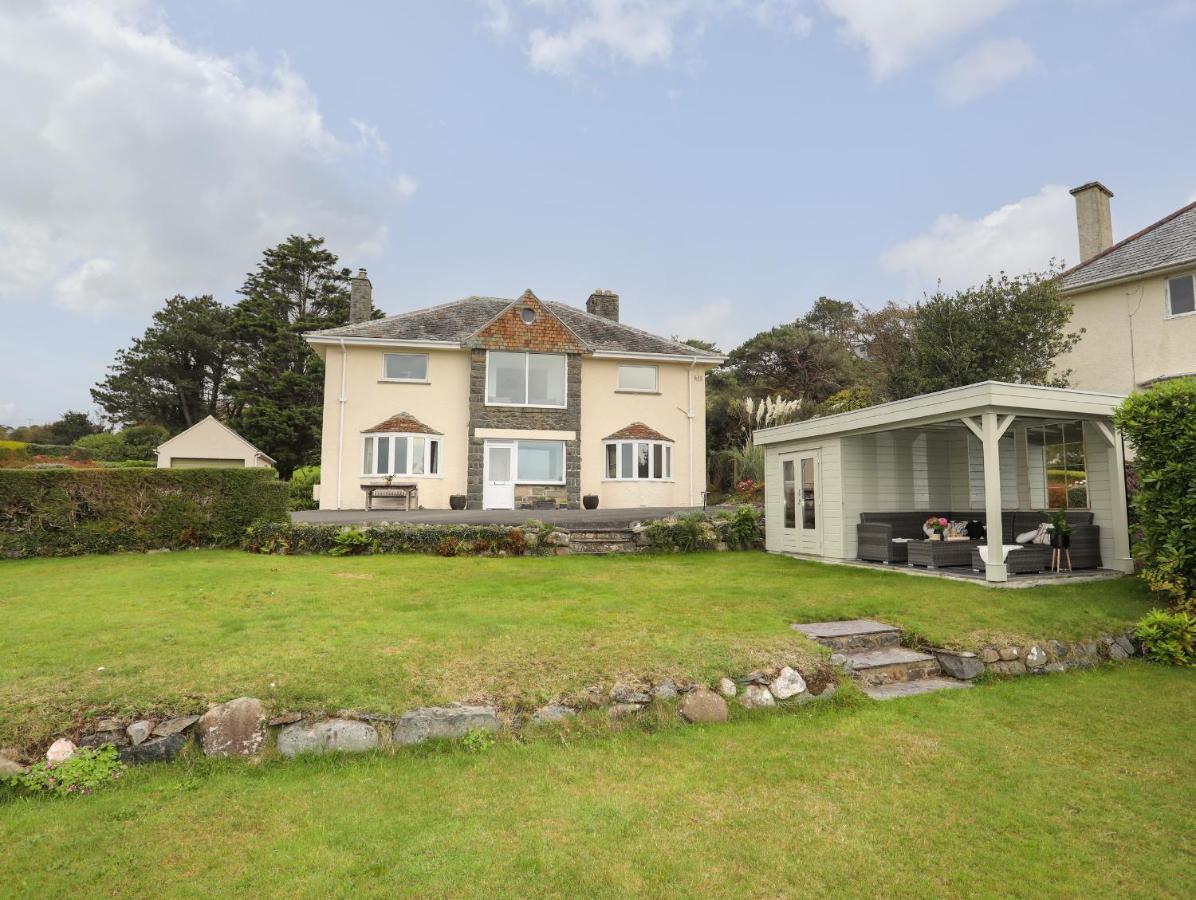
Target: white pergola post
pixel 1123 559
pixel 995 568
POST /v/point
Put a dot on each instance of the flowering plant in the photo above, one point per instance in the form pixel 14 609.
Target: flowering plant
pixel 937 524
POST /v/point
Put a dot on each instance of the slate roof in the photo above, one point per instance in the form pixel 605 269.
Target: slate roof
pixel 401 423
pixel 639 431
pixel 1169 242
pixel 455 322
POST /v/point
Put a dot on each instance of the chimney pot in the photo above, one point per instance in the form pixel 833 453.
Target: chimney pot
pixel 1094 221
pixel 361 298
pixel 604 303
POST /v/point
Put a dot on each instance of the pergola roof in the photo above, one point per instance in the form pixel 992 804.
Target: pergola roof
pixel 952 404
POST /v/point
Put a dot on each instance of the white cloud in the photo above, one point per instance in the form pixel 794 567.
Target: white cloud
pixel 406 186
pixel 895 32
pixel 497 16
pixel 1019 237
pixel 984 69
pixel 133 167
pixel 716 321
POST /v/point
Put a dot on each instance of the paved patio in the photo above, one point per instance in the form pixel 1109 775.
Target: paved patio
pixel 565 519
pixel 965 573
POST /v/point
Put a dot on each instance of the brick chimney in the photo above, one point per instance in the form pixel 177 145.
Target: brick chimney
pixel 361 298
pixel 605 304
pixel 1093 219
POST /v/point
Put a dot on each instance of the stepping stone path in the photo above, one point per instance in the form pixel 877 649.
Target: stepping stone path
pixel 872 653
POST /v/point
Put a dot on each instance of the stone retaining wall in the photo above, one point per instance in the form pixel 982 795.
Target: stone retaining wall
pixel 1037 658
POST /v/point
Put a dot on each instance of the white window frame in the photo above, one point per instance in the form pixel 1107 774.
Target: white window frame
pixel 389 437
pixel 655 389
pixel 424 380
pixel 666 456
pixel 527 355
pixel 1167 313
pixel 564 461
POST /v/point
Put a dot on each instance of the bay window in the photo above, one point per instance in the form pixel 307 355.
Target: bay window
pixel 525 379
pixel 639 460
pixel 401 454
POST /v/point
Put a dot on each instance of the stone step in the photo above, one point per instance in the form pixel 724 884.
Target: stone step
pixel 851 634
pixel 896 689
pixel 892 664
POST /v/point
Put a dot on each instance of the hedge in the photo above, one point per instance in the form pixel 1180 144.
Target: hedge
pixel 444 540
pixel 68 512
pixel 1160 423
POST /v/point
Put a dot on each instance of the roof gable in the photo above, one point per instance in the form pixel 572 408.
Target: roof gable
pixel 211 423
pixel 639 431
pixel 1167 243
pixel 400 423
pixel 511 330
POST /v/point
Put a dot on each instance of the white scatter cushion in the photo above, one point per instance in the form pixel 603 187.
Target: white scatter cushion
pixel 957 529
pixel 1044 534
pixel 1027 537
pixel 927 530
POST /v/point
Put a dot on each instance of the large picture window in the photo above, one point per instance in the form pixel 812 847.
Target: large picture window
pixel 401 454
pixel 540 462
pixel 405 367
pixel 639 460
pixel 638 378
pixel 525 379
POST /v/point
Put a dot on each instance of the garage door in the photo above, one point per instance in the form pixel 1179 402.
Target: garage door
pixel 195 462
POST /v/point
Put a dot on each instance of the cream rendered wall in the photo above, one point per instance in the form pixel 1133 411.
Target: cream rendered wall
pixel 605 410
pixel 442 404
pixel 208 440
pixel 1161 346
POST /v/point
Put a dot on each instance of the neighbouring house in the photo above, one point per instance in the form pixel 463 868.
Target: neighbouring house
pixel 986 453
pixel 511 404
pixel 210 444
pixel 1136 299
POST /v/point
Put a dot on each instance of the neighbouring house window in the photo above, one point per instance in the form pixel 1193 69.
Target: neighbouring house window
pixel 405 366
pixel 637 378
pixel 1066 466
pixel 639 460
pixel 525 379
pixel 540 462
pixel 790 494
pixel 400 454
pixel 807 493
pixel 1181 295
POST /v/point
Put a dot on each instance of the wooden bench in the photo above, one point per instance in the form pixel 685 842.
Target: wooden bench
pixel 409 493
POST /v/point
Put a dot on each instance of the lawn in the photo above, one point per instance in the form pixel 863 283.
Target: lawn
pixel 170 632
pixel 1075 785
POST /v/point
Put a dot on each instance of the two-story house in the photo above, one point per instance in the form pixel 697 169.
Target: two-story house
pixel 1136 299
pixel 511 403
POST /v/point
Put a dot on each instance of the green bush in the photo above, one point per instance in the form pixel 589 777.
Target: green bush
pixel 1161 425
pixel 104 445
pixel 1168 637
pixel 301 483
pixel 68 512
pixel 86 770
pixel 742 529
pixel 340 540
pixel 61 451
pixel 682 534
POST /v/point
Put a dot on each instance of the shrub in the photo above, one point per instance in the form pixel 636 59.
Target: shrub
pixel 67 512
pixel 104 445
pixel 1161 425
pixel 742 529
pixel 300 485
pixel 351 541
pixel 61 451
pixel 682 534
pixel 1168 637
pixel 86 770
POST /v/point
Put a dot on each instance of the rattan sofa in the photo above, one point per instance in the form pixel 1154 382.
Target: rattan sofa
pixel 1029 559
pixel 876 530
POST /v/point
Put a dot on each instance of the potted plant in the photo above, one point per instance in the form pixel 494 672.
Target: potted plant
pixel 936 525
pixel 590 501
pixel 1060 531
pixel 457 501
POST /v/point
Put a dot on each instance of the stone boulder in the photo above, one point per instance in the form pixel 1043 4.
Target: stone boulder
pixel 756 696
pixel 159 749
pixel 666 690
pixel 788 683
pixel 236 728
pixel 989 655
pixel 431 722
pixel 139 731
pixel 727 687
pixel 964 666
pixel 1125 644
pixel 9 765
pixel 553 712
pixel 624 710
pixel 1117 653
pixel 177 725
pixel 702 705
pixel 626 693
pixel 60 751
pixel 1035 657
pixel 1008 653
pixel 1008 667
pixel 329 736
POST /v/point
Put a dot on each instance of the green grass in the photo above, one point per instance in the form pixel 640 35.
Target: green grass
pixel 1077 785
pixel 170 632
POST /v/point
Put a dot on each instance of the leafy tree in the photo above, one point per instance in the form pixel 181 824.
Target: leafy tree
pixel 699 344
pixel 1007 329
pixel 72 426
pixel 793 362
pixel 297 287
pixel 884 336
pixel 135 442
pixel 837 319
pixel 176 373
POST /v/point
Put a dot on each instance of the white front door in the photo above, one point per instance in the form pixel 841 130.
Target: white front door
pixel 498 476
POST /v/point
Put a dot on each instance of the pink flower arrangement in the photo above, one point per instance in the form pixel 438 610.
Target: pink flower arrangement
pixel 937 524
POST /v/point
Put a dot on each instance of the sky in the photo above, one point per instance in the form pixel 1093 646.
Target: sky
pixel 720 165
